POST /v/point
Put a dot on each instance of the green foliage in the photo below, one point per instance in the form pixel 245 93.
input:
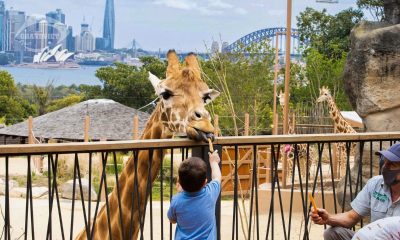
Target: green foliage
pixel 375 8
pixel 329 34
pixel 13 107
pixel 129 85
pixel 91 92
pixel 324 71
pixel 42 97
pixel 64 102
pixel 246 85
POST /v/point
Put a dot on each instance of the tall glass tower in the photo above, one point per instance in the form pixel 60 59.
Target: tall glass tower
pixel 2 25
pixel 109 25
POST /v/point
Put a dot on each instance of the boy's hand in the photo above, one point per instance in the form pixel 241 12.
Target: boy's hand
pixel 214 157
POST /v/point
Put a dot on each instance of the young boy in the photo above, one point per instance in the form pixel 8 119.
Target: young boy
pixel 193 209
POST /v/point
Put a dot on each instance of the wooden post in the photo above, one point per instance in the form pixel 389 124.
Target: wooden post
pixel 135 127
pixel 30 130
pixel 216 125
pixel 276 70
pixel 246 124
pixel 287 79
pixel 86 128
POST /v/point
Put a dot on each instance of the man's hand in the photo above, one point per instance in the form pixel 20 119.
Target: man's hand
pixel 321 217
pixel 214 157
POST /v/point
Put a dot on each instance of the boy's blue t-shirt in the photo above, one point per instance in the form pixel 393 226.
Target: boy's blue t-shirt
pixel 194 213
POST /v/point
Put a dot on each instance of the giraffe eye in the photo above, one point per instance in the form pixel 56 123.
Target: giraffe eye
pixel 206 98
pixel 166 95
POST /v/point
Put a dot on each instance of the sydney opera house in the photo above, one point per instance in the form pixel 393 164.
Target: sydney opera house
pixel 52 55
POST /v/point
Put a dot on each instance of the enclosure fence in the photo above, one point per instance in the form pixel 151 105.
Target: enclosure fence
pixel 270 203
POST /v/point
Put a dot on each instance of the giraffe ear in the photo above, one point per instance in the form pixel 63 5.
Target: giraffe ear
pixel 210 95
pixel 193 64
pixel 155 81
pixel 173 64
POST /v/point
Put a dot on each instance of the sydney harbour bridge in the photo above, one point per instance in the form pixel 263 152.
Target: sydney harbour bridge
pixel 270 34
pixel 251 38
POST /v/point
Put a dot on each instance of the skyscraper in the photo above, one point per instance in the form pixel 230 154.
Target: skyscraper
pixel 14 22
pixel 109 25
pixel 2 25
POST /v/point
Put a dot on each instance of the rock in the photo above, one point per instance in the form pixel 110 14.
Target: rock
pixel 392 11
pixel 371 78
pixel 67 189
pixel 37 192
pixel 11 184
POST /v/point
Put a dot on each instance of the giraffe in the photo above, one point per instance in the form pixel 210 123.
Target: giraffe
pixel 341 126
pixel 180 111
pixel 301 148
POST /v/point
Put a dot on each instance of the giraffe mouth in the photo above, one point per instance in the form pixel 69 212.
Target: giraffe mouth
pixel 200 130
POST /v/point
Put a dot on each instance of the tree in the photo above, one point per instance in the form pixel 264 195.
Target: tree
pixel 42 96
pixel 64 102
pixel 375 8
pixel 329 34
pixel 13 108
pixel 251 69
pixel 129 85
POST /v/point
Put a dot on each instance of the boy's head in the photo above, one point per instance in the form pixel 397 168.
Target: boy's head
pixel 192 174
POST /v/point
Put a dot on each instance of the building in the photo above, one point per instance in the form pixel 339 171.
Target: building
pixel 109 25
pixel 15 21
pixel 84 42
pixel 100 43
pixel 57 30
pixel 214 47
pixel 2 25
pixel 70 40
pixel 52 55
pixel 55 16
pixel 224 47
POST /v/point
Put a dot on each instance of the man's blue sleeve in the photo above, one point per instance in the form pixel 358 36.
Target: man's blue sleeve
pixel 171 211
pixel 362 203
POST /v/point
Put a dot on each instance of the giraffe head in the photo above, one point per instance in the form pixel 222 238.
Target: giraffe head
pixel 183 96
pixel 324 94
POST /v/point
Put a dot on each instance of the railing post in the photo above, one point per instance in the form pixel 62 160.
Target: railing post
pixel 135 127
pixel 202 152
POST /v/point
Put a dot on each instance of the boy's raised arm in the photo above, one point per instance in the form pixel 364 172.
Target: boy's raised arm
pixel 214 163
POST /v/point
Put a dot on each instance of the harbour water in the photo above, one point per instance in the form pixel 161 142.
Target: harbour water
pixel 59 76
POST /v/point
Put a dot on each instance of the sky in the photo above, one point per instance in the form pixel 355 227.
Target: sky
pixel 184 25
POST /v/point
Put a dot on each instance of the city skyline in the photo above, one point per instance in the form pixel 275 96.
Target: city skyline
pixel 181 24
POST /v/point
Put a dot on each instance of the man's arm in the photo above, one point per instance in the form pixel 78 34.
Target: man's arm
pixel 347 219
pixel 214 164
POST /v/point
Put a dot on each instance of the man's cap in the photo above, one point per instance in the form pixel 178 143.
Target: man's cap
pixel 392 154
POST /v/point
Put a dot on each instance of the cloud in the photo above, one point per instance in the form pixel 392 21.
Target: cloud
pixel 259 5
pixel 276 12
pixel 219 4
pixel 179 4
pixel 240 11
pixel 209 8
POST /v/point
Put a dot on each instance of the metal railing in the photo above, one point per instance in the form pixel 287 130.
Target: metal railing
pixel 265 211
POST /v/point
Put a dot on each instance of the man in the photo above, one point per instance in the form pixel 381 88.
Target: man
pixel 380 198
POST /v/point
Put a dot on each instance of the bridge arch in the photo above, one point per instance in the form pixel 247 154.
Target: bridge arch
pixel 267 33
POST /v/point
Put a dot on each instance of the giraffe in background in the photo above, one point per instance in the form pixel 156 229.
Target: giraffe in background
pixel 341 126
pixel 180 111
pixel 301 148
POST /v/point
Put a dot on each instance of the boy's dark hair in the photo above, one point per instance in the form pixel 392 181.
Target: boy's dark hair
pixel 192 174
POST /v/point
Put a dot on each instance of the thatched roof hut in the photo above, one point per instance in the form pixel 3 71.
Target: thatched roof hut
pixel 108 120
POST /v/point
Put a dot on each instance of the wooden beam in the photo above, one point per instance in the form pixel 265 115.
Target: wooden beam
pixel 86 129
pixel 135 127
pixel 30 130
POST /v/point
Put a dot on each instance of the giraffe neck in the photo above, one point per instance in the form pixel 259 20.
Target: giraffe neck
pixel 341 125
pixel 127 190
pixel 291 130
